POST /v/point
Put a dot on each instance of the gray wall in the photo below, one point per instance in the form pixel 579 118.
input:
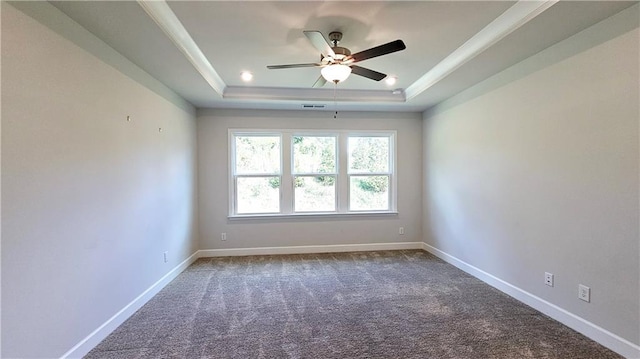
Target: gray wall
pixel 533 170
pixel 537 170
pixel 213 182
pixel 90 201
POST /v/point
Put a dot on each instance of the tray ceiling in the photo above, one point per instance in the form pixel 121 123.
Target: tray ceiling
pixel 451 45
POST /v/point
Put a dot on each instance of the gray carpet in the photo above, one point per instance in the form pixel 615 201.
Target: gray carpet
pixel 390 304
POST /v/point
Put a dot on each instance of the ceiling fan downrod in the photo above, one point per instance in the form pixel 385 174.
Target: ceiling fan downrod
pixel 335 37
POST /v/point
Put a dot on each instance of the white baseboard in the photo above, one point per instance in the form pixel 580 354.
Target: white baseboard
pixel 590 330
pixel 93 339
pixel 309 249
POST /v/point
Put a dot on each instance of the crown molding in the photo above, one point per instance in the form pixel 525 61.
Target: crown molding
pixel 312 94
pixel 167 20
pixel 519 14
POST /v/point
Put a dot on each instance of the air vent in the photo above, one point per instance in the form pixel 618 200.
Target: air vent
pixel 311 106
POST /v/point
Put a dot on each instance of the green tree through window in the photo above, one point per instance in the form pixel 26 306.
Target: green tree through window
pixel 369 172
pixel 314 168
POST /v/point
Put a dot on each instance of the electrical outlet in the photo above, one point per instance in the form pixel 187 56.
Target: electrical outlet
pixel 401 230
pixel 166 257
pixel 584 293
pixel 548 279
pixel 223 237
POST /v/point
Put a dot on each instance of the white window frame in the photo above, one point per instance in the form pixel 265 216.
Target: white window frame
pixel 314 174
pixel 390 173
pixel 233 203
pixel 287 176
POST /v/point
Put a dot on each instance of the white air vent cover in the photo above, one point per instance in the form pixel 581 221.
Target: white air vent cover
pixel 312 106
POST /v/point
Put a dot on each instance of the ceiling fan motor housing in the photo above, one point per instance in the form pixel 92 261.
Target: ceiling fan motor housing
pixel 341 52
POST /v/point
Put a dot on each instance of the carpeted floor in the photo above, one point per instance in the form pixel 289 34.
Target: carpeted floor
pixel 391 304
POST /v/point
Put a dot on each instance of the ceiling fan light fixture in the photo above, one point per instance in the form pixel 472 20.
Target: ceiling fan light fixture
pixel 336 72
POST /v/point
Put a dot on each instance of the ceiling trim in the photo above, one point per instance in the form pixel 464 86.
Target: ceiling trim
pixel 312 94
pixel 519 14
pixel 167 20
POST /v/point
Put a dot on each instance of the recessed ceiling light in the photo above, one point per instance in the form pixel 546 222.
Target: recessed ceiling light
pixel 391 80
pixel 246 76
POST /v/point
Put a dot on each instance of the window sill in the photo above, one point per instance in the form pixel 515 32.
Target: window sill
pixel 313 215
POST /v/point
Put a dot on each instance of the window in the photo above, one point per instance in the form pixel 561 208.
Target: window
pixel 369 174
pixel 257 173
pixel 310 172
pixel 314 173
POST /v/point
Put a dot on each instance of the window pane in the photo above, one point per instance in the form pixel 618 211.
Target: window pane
pixel 315 194
pixel 258 195
pixel 369 193
pixel 312 154
pixel 257 154
pixel 368 154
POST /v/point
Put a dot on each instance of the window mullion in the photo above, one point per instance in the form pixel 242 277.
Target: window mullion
pixel 392 175
pixel 371 174
pixel 343 177
pixel 286 184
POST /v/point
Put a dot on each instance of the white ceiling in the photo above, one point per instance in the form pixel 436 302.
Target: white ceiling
pixel 236 36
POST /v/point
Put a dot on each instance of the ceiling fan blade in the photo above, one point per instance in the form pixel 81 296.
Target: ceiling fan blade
pixel 292 66
pixel 319 82
pixel 387 48
pixel 370 74
pixel 319 42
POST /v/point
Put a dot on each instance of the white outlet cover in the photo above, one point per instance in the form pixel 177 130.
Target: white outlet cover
pixel 548 279
pixel 584 293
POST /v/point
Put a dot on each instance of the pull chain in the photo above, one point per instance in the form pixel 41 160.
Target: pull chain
pixel 335 100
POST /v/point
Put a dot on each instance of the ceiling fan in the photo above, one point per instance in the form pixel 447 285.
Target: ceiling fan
pixel 338 62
